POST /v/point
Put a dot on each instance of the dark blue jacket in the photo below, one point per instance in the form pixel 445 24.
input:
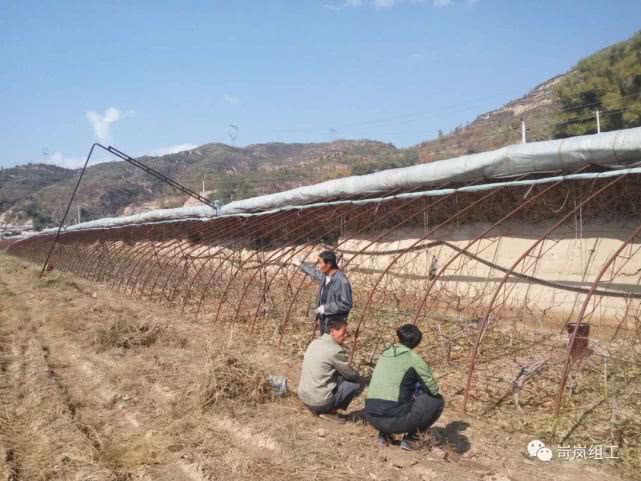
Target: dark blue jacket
pixel 338 294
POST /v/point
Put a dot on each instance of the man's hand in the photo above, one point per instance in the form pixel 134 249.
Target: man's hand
pixel 320 310
pixel 296 262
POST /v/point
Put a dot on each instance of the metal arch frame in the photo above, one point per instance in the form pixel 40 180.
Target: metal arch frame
pixel 203 247
pixel 289 251
pixel 168 257
pixel 398 256
pixel 481 236
pixel 135 261
pixel 296 250
pixel 402 204
pixel 581 315
pixel 319 212
pixel 140 258
pixel 275 256
pixel 85 263
pixel 122 254
pixel 176 243
pixel 283 325
pixel 140 254
pixel 484 322
pixel 234 248
pixel 288 217
pixel 244 228
pixel 291 218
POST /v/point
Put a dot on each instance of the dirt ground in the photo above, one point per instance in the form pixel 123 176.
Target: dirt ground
pixel 98 386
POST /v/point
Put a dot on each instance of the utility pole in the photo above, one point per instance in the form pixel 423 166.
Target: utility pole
pixel 523 136
pixel 78 206
pixel 598 121
pixel 232 131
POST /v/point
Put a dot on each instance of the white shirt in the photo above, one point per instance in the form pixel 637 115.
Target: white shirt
pixel 321 309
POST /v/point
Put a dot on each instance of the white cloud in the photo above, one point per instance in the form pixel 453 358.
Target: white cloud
pixel 230 99
pixel 172 149
pixel 101 123
pixel 384 3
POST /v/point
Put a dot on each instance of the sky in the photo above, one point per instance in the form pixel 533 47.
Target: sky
pixel 155 76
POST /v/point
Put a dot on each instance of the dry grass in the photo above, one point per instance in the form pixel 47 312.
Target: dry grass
pixel 49 442
pixel 233 378
pixel 126 333
pixel 55 282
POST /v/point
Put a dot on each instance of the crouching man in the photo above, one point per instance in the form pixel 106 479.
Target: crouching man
pixel 327 382
pixel 403 397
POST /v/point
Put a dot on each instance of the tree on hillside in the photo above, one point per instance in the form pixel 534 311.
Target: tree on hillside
pixel 609 81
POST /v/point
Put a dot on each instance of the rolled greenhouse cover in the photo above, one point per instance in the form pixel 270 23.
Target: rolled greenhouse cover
pixel 617 149
pixel 152 216
pixel 614 149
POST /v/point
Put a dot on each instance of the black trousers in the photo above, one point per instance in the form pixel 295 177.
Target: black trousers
pixel 424 412
pixel 344 394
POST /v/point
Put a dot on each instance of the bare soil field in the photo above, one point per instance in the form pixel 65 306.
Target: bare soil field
pixel 98 386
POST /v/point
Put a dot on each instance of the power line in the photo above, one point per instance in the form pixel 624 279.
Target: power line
pixel 422 115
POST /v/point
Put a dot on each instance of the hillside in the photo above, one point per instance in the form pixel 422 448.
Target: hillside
pixel 563 106
pixel 609 80
pixel 22 181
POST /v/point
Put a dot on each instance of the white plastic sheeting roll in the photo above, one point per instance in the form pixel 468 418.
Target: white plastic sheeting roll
pixel 612 149
pixel 617 149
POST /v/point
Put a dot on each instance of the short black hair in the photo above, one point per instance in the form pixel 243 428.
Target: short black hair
pixel 409 335
pixel 335 323
pixel 329 258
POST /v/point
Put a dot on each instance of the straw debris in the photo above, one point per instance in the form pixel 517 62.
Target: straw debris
pixel 233 378
pixel 125 334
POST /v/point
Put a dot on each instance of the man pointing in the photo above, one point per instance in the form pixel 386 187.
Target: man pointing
pixel 334 299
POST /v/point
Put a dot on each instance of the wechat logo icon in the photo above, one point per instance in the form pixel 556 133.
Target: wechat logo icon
pixel 536 448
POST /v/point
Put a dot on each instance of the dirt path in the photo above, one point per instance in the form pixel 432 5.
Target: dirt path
pixel 76 407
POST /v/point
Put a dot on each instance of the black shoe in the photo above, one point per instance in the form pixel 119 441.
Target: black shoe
pixel 384 440
pixel 410 443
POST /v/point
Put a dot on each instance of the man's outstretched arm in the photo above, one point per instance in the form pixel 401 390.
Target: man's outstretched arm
pixel 309 269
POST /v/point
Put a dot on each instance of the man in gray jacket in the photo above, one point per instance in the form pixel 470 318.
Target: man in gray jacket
pixel 334 300
pixel 327 381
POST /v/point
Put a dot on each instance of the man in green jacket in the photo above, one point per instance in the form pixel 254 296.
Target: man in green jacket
pixel 403 396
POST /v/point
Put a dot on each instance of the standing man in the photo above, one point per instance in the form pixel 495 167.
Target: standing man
pixel 327 381
pixel 334 300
